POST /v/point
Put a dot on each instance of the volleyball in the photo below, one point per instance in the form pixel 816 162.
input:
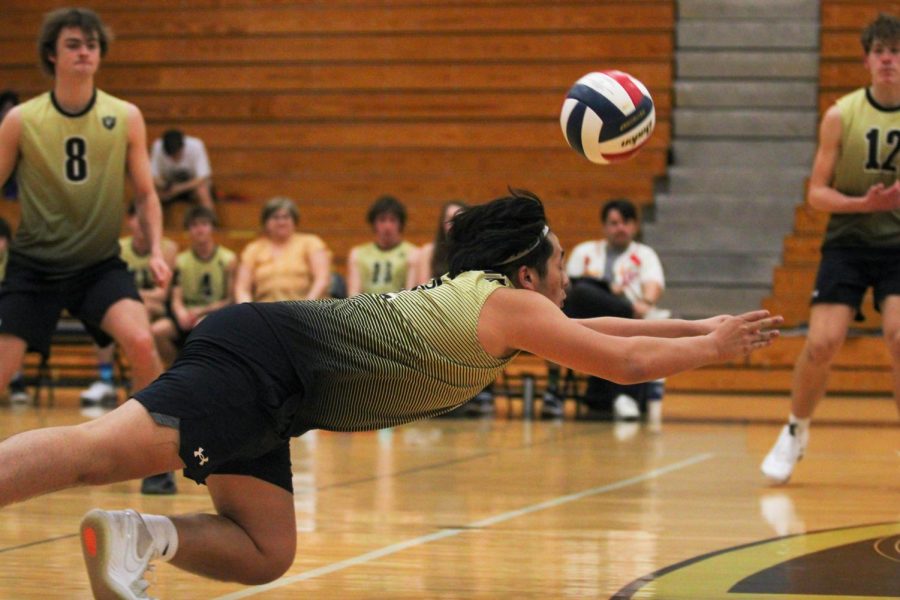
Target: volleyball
pixel 607 116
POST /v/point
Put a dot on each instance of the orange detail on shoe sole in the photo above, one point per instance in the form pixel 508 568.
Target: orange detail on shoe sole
pixel 90 541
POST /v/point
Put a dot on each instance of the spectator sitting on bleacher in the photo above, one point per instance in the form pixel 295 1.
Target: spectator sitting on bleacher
pixel 135 251
pixel 386 264
pixel 431 260
pixel 283 264
pixel 181 169
pixel 203 283
pixel 617 277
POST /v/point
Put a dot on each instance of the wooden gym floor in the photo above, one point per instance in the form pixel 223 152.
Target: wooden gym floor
pixel 505 508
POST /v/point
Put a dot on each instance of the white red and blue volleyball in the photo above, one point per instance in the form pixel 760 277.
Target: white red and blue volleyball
pixel 607 116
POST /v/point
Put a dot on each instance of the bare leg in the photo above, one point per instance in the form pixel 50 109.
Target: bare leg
pixel 127 322
pixel 890 312
pixel 828 324
pixel 252 539
pixel 164 333
pixel 123 444
pixel 12 349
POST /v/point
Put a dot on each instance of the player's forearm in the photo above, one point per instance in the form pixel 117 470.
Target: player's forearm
pixel 830 200
pixel 664 328
pixel 149 213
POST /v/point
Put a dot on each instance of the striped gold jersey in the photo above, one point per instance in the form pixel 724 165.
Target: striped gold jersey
pixel 375 361
pixel 203 282
pixel 869 154
pixel 71 176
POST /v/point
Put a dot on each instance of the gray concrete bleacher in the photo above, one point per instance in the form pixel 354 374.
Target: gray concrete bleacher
pixel 744 128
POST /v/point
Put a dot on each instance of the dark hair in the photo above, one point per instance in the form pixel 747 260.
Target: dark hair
pixel 885 28
pixel 172 141
pixel 9 97
pixel 5 229
pixel 439 264
pixel 387 205
pixel 54 22
pixel 280 203
pixel 485 237
pixel 623 206
pixel 199 213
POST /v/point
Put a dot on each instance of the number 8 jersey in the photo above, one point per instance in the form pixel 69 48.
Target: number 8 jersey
pixel 71 176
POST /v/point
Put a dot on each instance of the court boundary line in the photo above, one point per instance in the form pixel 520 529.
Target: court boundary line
pixel 450 532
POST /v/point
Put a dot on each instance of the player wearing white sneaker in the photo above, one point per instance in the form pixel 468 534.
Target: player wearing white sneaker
pixel 118 547
pixel 778 466
pixel 253 375
pixel 854 177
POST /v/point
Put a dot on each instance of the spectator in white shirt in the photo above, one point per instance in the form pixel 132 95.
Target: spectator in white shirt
pixel 615 276
pixel 181 169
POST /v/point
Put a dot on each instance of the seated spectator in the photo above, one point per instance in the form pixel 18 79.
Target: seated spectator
pixel 386 264
pixel 9 99
pixel 203 283
pixel 283 264
pixel 135 251
pixel 181 170
pixel 431 261
pixel 619 277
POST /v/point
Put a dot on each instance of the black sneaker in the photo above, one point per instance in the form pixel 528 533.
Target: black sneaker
pixel 482 404
pixel 158 485
pixel 552 406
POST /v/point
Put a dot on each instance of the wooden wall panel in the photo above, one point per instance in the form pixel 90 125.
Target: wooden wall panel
pixel 337 102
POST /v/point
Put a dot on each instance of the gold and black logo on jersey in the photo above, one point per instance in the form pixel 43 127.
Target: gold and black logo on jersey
pixel 109 122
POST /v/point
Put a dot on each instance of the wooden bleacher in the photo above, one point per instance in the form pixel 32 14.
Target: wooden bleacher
pixel 336 103
pixel 862 366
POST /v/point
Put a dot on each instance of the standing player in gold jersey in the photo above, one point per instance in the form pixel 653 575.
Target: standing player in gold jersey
pixel 253 375
pixel 72 149
pixel 855 178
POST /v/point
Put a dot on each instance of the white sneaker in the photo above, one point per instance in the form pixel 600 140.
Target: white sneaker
pixel 625 408
pixel 100 392
pixel 117 549
pixel 19 397
pixel 783 457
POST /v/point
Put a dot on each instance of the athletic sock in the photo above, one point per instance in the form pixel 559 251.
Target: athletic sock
pixel 796 424
pixel 106 372
pixel 164 534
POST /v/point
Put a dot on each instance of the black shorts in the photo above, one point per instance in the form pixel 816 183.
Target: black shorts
pixel 846 273
pixel 31 300
pixel 231 394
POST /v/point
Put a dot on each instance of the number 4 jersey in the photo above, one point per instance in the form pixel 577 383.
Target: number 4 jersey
pixel 870 139
pixel 71 175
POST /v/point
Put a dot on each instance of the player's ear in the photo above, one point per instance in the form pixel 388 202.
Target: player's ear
pixel 525 278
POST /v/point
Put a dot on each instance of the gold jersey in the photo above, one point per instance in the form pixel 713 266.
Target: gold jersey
pixel 374 361
pixel 383 271
pixel 203 282
pixel 71 176
pixel 139 264
pixel 869 154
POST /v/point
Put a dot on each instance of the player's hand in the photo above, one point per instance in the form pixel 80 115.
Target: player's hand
pixel 160 270
pixel 880 198
pixel 739 336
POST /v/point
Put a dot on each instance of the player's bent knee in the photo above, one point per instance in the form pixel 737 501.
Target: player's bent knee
pixel 823 349
pixel 268 569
